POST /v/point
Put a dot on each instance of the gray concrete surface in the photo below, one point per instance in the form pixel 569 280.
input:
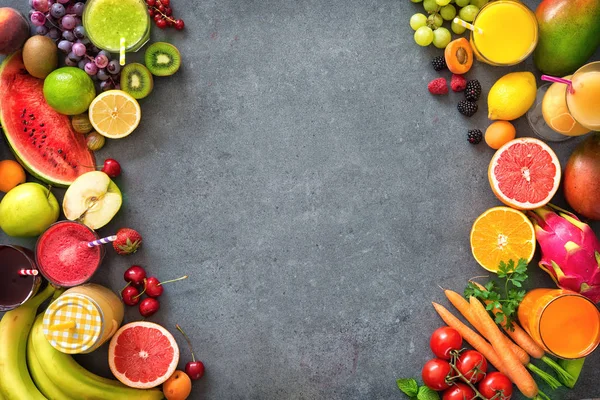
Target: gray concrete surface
pixel 297 169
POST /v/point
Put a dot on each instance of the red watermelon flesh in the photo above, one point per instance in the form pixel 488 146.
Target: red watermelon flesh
pixel 42 140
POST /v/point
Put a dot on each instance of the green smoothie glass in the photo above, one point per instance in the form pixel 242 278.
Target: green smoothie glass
pixel 117 25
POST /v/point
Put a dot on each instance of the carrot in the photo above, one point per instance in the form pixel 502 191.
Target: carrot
pixel 472 337
pixel 464 307
pixel 516 371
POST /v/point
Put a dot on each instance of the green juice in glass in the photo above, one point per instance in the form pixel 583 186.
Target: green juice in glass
pixel 107 21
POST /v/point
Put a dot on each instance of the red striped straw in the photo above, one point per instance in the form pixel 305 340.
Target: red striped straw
pixel 28 272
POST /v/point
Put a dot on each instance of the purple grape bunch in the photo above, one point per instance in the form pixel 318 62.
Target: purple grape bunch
pixel 61 21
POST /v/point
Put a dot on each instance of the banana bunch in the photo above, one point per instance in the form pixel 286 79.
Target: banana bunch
pixel 31 369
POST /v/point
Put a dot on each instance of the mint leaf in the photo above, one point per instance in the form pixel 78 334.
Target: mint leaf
pixel 408 386
pixel 427 394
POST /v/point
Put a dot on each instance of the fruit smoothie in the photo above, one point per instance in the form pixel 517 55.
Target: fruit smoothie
pixel 14 288
pixel 63 256
pixel 510 33
pixel 584 102
pixel 107 21
pixel 565 323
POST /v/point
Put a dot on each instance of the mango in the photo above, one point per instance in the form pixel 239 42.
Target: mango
pixel 14 30
pixel 581 182
pixel 569 33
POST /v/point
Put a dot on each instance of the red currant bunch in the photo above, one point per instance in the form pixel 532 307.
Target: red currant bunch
pixel 162 14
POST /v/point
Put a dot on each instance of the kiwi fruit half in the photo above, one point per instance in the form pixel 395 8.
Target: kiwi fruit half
pixel 162 59
pixel 136 80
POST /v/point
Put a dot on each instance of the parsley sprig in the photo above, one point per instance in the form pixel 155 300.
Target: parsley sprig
pixel 506 301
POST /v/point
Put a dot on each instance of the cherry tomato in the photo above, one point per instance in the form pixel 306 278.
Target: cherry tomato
pixel 459 391
pixel 443 340
pixel 435 372
pixel 495 382
pixel 473 365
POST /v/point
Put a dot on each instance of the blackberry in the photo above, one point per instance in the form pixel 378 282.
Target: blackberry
pixel 474 136
pixel 439 63
pixel 467 108
pixel 473 90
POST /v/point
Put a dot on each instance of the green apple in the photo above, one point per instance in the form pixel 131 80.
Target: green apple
pixel 93 199
pixel 28 210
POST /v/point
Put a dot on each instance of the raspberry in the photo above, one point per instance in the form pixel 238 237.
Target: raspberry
pixel 439 63
pixel 474 136
pixel 458 83
pixel 438 86
pixel 473 90
pixel 467 108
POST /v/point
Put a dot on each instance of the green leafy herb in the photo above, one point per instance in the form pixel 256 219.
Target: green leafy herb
pixel 506 300
pixel 409 387
pixel 427 394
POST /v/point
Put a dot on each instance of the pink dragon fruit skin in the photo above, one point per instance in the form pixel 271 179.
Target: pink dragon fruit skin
pixel 570 250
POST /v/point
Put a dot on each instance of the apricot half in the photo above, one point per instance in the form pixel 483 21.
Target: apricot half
pixel 459 56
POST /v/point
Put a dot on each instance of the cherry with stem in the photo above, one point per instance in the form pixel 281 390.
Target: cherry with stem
pixel 194 369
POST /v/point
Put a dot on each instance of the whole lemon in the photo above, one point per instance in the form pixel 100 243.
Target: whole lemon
pixel 69 90
pixel 511 96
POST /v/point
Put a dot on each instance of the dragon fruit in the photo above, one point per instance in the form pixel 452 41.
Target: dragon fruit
pixel 570 250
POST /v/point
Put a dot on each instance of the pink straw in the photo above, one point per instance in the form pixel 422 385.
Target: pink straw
pixel 555 79
pixel 28 272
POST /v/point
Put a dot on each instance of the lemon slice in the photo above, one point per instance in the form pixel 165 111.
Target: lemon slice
pixel 115 114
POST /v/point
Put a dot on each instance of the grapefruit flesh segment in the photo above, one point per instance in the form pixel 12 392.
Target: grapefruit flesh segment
pixel 524 173
pixel 143 355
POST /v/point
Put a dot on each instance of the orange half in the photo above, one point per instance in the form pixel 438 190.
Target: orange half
pixel 502 234
pixel 115 114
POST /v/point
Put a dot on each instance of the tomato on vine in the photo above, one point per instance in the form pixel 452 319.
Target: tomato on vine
pixel 494 383
pixel 473 365
pixel 458 391
pixel 435 374
pixel 444 340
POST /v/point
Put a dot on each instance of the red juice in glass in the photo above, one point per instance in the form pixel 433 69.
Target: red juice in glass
pixel 63 256
pixel 14 288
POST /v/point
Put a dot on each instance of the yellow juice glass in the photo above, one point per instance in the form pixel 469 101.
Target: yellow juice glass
pixel 584 101
pixel 510 33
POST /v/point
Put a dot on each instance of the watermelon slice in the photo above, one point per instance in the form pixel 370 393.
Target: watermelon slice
pixel 41 139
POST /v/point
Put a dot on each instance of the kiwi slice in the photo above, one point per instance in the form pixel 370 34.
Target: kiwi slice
pixel 136 80
pixel 162 59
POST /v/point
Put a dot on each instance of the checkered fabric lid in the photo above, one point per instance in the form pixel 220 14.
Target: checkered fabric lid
pixel 73 323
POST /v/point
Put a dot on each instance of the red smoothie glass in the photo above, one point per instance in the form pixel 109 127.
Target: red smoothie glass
pixel 63 256
pixel 14 288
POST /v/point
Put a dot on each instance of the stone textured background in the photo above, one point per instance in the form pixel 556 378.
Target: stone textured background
pixel 297 169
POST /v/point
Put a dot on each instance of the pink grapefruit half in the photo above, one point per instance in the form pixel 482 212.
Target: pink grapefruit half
pixel 143 354
pixel 524 173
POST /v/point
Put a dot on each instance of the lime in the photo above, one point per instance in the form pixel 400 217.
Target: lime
pixel 69 90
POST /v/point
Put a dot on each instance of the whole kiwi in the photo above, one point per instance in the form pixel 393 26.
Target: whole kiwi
pixel 162 59
pixel 40 56
pixel 136 80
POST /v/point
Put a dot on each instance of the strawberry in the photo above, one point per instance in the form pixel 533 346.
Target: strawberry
pixel 438 86
pixel 458 83
pixel 128 241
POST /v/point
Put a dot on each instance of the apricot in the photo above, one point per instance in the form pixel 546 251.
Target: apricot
pixel 14 30
pixel 178 386
pixel 459 56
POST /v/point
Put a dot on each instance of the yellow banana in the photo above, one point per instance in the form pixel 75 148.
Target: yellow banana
pixel 15 381
pixel 80 383
pixel 44 384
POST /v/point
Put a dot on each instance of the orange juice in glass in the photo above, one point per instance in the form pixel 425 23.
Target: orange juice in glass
pixel 563 322
pixel 510 33
pixel 584 100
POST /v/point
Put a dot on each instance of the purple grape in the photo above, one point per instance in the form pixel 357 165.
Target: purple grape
pixel 57 10
pixel 113 67
pixel 70 63
pixel 91 68
pixel 65 46
pixel 105 54
pixel 68 35
pixel 30 12
pixel 53 33
pixel 78 21
pixel 82 63
pixel 79 32
pixel 74 57
pixel 93 49
pixel 68 22
pixel 102 74
pixel 79 49
pixel 37 18
pixel 106 85
pixel 40 5
pixel 101 61
pixel 69 9
pixel 63 1
pixel 78 8
pixel 41 30
pixel 85 41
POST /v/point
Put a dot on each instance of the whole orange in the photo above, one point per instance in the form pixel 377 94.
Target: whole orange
pixel 11 174
pixel 178 386
pixel 499 133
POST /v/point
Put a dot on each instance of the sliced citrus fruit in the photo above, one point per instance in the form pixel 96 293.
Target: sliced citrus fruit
pixel 143 354
pixel 115 114
pixel 502 234
pixel 524 173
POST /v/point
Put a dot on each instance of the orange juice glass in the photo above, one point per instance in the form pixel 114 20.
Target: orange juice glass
pixel 510 33
pixel 584 100
pixel 563 322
